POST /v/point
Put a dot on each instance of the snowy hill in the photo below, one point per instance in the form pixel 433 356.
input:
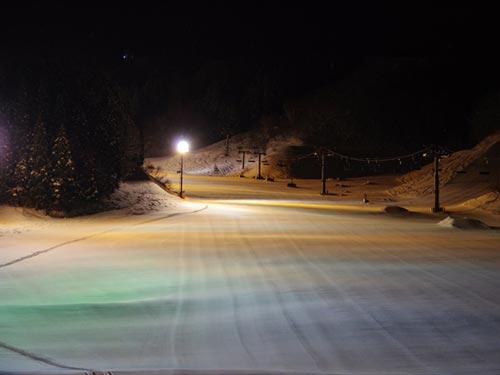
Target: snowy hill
pixel 131 198
pixel 470 176
pixel 212 160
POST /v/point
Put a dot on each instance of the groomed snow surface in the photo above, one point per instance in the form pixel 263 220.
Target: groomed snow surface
pixel 295 283
pixel 253 277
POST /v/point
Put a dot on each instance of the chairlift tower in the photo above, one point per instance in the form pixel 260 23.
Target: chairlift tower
pixel 259 152
pixel 243 153
pixel 322 154
pixel 437 153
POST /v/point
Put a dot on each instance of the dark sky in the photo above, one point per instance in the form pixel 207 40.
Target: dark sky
pixel 308 45
pixel 215 29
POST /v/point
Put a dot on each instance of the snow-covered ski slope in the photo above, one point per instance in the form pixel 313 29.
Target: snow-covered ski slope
pixel 253 277
pixel 467 176
pixel 212 160
pixel 262 285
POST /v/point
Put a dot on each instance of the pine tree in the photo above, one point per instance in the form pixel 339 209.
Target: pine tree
pixel 19 115
pixel 110 145
pixel 63 175
pixel 38 184
pixel 19 175
pixel 84 157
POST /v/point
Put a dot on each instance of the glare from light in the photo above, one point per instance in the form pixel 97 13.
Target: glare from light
pixel 182 147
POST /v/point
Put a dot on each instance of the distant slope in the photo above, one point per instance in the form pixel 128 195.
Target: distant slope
pixel 211 160
pixel 465 176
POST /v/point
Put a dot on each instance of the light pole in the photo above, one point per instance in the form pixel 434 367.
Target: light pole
pixel 182 148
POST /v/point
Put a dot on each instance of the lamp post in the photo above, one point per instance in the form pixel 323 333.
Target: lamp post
pixel 182 148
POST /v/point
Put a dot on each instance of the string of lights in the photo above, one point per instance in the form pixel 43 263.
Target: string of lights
pixel 376 160
pixel 301 157
pixel 331 153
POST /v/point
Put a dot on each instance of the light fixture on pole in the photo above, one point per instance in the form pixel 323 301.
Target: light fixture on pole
pixel 182 148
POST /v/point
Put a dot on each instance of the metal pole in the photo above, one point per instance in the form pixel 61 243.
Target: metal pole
pixel 243 166
pixel 259 176
pixel 436 208
pixel 181 194
pixel 227 145
pixel 323 176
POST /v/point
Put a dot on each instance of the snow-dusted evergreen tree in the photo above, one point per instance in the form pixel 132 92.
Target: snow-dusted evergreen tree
pixel 107 121
pixel 64 191
pixel 85 160
pixel 19 113
pixel 20 176
pixel 71 137
pixel 38 184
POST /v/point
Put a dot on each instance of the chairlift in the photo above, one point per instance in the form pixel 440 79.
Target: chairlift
pixel 239 160
pixel 251 160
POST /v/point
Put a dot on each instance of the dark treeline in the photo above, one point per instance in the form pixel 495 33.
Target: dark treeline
pixel 362 106
pixel 214 98
pixel 70 131
pixel 67 136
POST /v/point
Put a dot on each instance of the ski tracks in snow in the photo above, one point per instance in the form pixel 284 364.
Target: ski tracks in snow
pixel 83 238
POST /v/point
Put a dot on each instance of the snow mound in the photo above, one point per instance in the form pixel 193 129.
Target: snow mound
pixel 140 197
pixel 421 182
pixel 463 223
pixel 396 210
pixel 489 202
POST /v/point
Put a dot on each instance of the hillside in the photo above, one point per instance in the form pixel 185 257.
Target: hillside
pixel 468 177
pixel 471 177
pixel 212 160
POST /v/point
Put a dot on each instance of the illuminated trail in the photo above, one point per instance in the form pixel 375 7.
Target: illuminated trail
pixel 40 252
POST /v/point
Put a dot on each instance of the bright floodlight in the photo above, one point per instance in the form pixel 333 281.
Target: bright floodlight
pixel 182 147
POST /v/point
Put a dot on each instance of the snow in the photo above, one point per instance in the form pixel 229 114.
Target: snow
pixel 460 178
pixel 14 220
pixel 306 284
pixel 489 202
pixel 249 276
pixel 131 198
pixel 212 160
pixel 422 181
pixel 463 223
pixel 461 169
pixel 396 210
pixel 139 197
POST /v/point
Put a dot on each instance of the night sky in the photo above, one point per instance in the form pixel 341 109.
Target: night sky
pixel 198 30
pixel 315 43
pixel 195 31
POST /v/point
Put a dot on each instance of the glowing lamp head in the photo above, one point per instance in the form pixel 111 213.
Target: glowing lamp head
pixel 182 147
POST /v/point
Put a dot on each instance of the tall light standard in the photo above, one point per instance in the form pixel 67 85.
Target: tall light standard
pixel 182 148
